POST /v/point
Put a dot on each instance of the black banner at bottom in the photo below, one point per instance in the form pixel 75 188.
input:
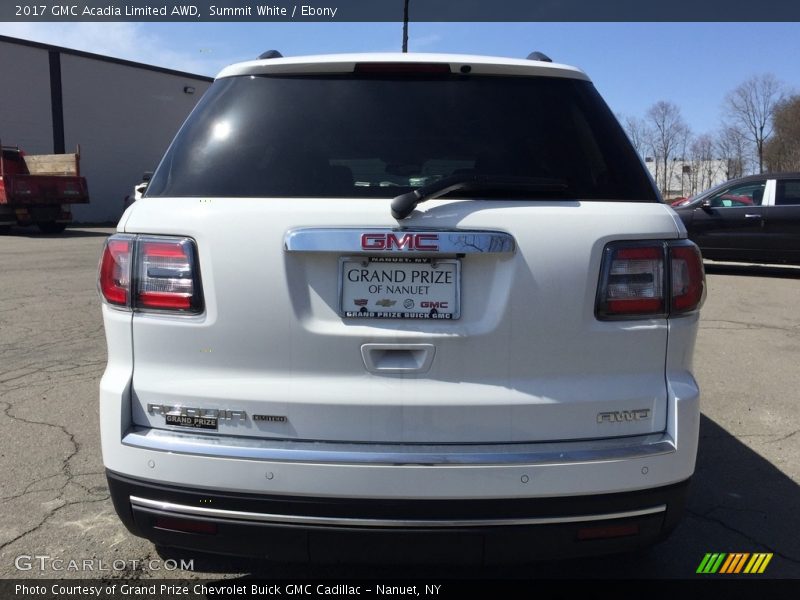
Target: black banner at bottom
pixel 537 589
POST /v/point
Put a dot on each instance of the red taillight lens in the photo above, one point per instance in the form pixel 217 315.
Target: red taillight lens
pixel 115 270
pixel 649 279
pixel 151 273
pixel 166 278
pixel 604 532
pixel 688 278
pixel 632 281
pixel 185 525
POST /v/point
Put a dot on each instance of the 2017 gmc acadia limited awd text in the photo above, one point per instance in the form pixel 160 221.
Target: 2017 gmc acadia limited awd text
pixel 424 305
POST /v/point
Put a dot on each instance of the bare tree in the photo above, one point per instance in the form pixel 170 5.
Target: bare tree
pixel 731 147
pixel 782 150
pixel 750 107
pixel 679 159
pixel 668 137
pixel 637 131
pixel 703 168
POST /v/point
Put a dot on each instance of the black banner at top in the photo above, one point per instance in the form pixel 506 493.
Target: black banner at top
pixel 392 10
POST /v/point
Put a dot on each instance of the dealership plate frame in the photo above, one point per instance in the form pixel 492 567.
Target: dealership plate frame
pixel 456 313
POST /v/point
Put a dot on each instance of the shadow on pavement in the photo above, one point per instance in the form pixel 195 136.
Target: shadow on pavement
pixel 738 502
pixel 752 270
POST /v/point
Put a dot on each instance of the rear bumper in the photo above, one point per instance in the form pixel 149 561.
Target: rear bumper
pixel 399 472
pixel 502 502
pixel 368 530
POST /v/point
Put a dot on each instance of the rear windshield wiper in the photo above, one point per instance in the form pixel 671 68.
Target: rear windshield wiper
pixel 404 204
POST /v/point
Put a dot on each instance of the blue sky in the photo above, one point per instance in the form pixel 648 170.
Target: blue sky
pixel 632 64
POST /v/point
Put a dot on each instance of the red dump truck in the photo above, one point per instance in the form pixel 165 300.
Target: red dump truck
pixel 38 189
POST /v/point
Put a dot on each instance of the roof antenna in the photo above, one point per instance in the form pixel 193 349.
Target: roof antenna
pixel 405 25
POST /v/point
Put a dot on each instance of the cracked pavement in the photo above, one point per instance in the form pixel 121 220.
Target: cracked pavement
pixel 54 501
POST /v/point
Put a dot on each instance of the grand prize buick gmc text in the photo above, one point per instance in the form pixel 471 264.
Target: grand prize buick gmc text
pixel 429 305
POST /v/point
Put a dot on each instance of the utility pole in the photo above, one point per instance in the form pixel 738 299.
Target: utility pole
pixel 405 25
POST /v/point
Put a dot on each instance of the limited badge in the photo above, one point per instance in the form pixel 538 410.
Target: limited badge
pixel 270 418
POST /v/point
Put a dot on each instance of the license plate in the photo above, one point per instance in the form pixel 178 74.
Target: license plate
pixel 400 288
pixel 193 422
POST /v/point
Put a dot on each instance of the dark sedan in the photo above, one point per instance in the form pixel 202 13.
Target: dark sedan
pixel 751 219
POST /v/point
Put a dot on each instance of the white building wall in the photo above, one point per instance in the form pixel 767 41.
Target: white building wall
pixel 123 116
pixel 124 119
pixel 700 176
pixel 25 113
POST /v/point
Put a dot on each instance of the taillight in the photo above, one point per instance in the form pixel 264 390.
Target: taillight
pixel 115 269
pixel 165 274
pixel 186 525
pixel 69 187
pixel 604 532
pixel 688 281
pixel 649 279
pixel 151 273
pixel 22 187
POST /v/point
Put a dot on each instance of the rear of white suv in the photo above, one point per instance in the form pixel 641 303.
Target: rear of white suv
pixel 378 301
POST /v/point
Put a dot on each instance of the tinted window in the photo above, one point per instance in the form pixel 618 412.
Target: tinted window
pixel 788 192
pixel 349 136
pixel 745 194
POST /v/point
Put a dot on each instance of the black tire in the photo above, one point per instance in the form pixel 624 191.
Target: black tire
pixel 51 227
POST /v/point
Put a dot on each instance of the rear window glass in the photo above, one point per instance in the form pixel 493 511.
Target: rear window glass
pixel 367 136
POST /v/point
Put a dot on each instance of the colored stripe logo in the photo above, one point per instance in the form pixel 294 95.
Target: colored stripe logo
pixel 734 563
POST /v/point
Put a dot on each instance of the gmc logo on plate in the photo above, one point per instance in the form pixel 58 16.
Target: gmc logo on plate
pixel 429 304
pixel 424 242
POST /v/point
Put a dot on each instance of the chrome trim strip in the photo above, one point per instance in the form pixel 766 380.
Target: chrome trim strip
pixel 545 453
pixel 238 515
pixel 348 240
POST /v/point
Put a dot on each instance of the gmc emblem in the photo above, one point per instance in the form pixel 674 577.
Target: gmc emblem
pixel 424 242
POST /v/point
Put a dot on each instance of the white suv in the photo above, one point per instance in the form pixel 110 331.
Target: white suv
pixel 424 305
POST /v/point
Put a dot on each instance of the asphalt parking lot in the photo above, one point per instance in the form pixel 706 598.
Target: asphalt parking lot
pixel 54 501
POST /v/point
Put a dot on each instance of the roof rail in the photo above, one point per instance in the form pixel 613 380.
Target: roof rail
pixel 270 54
pixel 541 56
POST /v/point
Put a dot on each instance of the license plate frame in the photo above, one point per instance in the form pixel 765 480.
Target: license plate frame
pixel 396 299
